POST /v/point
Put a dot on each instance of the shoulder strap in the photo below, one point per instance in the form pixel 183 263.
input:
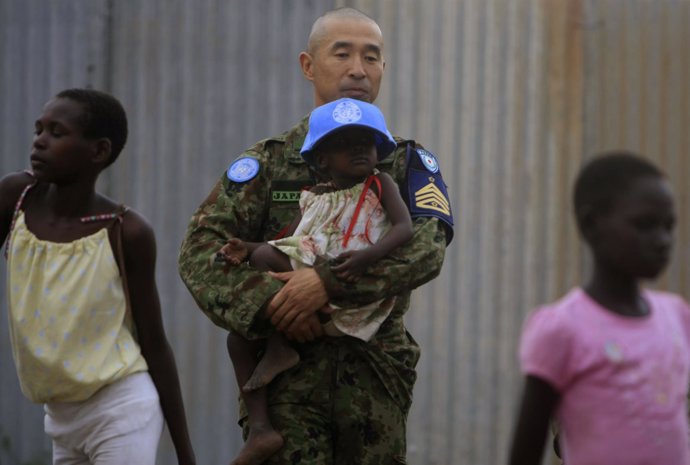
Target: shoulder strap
pixel 15 214
pixel 367 184
pixel 117 225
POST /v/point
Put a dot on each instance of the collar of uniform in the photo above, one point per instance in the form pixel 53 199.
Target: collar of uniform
pixel 390 158
pixel 295 140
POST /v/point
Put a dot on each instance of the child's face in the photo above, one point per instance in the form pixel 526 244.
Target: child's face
pixel 634 237
pixel 348 154
pixel 59 148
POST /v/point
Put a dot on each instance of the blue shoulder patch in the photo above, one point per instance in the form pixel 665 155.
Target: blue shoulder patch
pixel 429 160
pixel 243 169
pixel 427 194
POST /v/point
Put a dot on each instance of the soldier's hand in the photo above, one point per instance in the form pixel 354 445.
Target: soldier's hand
pixel 301 296
pixel 307 330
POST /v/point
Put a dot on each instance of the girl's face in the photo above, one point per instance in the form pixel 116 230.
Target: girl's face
pixel 634 237
pixel 348 156
pixel 59 150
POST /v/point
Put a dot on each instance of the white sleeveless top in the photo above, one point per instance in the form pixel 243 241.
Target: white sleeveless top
pixel 326 219
pixel 70 330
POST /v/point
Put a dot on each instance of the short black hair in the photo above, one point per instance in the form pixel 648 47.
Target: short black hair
pixel 607 175
pixel 346 12
pixel 103 116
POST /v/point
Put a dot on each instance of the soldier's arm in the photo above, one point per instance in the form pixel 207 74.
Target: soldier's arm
pixel 407 267
pixel 231 296
pixel 415 263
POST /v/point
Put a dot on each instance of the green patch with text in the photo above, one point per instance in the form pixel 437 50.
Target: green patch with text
pixel 286 196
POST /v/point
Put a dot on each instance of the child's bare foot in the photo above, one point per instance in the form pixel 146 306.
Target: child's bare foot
pixel 276 359
pixel 260 445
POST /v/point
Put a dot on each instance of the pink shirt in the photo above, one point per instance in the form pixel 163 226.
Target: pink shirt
pixel 622 380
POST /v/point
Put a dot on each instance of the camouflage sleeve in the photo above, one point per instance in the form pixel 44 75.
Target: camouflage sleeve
pixel 231 296
pixel 411 265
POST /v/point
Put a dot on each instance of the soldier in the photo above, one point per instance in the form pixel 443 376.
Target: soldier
pixel 347 400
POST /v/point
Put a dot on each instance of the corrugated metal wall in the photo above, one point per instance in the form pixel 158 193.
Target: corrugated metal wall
pixel 510 94
pixel 45 46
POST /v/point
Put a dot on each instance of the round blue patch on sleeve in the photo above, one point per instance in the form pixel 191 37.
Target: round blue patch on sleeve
pixel 243 169
pixel 428 160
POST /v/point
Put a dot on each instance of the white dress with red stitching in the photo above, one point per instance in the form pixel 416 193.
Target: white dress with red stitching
pixel 321 233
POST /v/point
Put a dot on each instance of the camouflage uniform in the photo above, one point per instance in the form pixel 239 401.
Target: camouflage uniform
pixel 346 401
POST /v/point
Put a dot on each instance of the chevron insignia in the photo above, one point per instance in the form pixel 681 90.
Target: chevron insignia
pixel 430 197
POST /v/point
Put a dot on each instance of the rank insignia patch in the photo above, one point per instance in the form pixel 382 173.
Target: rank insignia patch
pixel 426 193
pixel 431 197
pixel 243 169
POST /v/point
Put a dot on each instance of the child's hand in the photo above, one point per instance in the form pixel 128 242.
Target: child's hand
pixel 353 264
pixel 234 252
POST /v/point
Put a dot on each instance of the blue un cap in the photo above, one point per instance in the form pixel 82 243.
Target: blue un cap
pixel 343 113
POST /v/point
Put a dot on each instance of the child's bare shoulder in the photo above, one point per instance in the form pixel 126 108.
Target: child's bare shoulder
pixel 11 187
pixel 135 227
pixel 385 178
pixel 138 244
pixel 387 182
pixel 15 182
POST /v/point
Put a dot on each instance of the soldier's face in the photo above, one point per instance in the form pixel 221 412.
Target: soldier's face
pixel 348 61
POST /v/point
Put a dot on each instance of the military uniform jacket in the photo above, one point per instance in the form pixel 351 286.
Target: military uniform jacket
pixel 258 209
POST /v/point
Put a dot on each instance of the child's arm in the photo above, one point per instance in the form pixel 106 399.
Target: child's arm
pixel 355 262
pixel 235 251
pixel 539 399
pixel 139 246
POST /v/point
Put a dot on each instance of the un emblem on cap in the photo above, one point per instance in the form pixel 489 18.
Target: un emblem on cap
pixel 428 160
pixel 347 112
pixel 243 169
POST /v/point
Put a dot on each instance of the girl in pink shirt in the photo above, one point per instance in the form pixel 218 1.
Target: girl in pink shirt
pixel 611 361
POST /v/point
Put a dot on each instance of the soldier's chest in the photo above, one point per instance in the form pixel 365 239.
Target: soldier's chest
pixel 286 185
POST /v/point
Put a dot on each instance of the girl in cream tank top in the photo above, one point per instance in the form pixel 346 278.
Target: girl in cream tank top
pixel 74 304
pixel 70 329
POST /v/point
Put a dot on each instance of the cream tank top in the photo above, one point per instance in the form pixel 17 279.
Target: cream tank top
pixel 70 330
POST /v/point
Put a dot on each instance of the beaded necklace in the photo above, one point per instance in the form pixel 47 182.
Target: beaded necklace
pixel 101 217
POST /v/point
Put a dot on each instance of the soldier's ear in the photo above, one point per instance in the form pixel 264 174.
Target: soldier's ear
pixel 306 63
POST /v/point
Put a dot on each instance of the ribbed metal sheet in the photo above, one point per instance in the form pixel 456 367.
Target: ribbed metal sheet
pixel 45 46
pixel 512 95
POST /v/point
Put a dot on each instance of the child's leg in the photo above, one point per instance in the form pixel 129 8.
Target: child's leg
pixel 263 441
pixel 268 258
pixel 278 357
